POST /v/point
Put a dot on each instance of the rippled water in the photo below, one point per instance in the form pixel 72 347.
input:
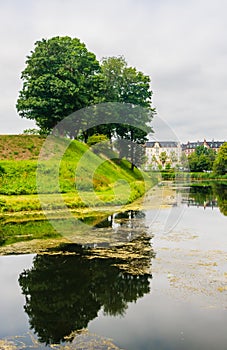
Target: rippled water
pixel 160 289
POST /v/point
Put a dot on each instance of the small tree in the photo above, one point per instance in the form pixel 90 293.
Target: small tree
pixel 163 158
pixel 168 166
pixel 173 157
pixel 154 162
pixel 220 163
pixel 184 160
pixel 201 159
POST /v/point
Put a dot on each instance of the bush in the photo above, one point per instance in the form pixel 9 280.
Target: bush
pixel 96 138
pixel 2 170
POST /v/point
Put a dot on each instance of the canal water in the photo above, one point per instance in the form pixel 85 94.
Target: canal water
pixel 164 287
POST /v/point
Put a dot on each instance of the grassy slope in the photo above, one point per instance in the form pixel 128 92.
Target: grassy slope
pixel 19 147
pixel 21 212
pixel 18 172
pixel 18 165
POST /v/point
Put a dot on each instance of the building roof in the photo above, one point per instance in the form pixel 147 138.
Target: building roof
pixel 211 144
pixel 215 144
pixel 166 144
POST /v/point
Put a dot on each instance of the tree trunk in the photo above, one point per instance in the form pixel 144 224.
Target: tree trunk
pixel 132 150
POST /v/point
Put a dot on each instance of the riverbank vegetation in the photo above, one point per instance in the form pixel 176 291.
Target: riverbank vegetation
pixel 18 174
pixel 190 176
pixel 208 161
pixel 112 183
pixel 203 164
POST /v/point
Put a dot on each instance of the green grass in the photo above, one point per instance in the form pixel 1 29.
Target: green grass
pixel 79 180
pixel 172 175
pixel 26 231
pixel 84 179
pixel 207 176
pixel 18 177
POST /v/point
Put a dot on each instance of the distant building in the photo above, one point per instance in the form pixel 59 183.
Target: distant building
pixel 189 148
pixel 153 150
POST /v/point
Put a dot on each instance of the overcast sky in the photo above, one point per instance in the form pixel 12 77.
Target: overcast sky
pixel 181 45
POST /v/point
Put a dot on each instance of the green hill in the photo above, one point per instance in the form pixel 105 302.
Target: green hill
pixel 88 184
pixel 20 147
pixel 99 181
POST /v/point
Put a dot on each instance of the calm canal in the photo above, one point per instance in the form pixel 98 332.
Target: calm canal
pixel 164 288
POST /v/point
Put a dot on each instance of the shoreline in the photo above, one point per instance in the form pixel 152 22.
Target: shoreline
pixel 160 197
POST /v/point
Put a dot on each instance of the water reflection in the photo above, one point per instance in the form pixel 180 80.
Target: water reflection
pixel 118 227
pixel 208 195
pixel 66 288
pixel 129 218
pixel 221 192
pixel 101 228
pixel 111 229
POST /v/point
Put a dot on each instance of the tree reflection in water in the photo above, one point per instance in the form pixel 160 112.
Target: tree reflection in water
pixel 221 192
pixel 65 289
pixel 209 195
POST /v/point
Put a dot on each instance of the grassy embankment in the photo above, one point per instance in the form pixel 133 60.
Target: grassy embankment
pixel 113 183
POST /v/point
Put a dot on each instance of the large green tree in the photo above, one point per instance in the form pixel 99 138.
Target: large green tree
pixel 60 77
pixel 125 84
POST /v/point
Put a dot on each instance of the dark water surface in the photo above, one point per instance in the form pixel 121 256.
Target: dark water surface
pixel 161 290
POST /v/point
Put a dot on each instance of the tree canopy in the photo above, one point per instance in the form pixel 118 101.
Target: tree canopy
pixel 127 85
pixel 163 157
pixel 202 159
pixel 61 76
pixel 124 84
pixel 220 164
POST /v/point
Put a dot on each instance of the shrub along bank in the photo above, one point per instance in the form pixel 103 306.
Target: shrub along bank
pixel 172 175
